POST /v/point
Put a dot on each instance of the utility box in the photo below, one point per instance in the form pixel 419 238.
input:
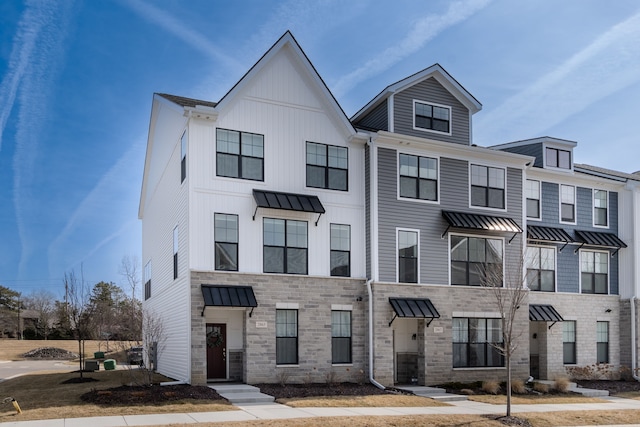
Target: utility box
pixel 91 365
pixel 98 355
pixel 109 365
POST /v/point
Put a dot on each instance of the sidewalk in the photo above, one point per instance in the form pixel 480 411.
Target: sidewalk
pixel 273 411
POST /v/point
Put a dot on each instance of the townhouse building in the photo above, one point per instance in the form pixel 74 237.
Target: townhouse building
pixel 284 241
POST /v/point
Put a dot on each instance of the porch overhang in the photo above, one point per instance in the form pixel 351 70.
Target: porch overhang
pixel 228 296
pixel 537 233
pixel 600 239
pixel 472 221
pixel 414 307
pixel 287 201
pixel 544 313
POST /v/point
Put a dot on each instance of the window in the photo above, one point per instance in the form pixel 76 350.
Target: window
pixel 175 253
pixel 147 280
pixel 285 246
pixel 602 338
pixel 432 117
pixel 472 256
pixel 532 192
pixel 340 337
pixel 487 187
pixel 183 156
pixel 558 158
pixel 239 154
pixel 541 269
pixel 594 272
pixel 475 341
pixel 600 206
pixel 569 342
pixel 327 166
pixel 226 242
pixel 418 177
pixel 286 337
pixel 407 256
pixel 567 203
pixel 340 250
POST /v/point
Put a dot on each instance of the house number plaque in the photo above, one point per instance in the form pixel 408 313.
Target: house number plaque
pixel 261 324
pixel 438 329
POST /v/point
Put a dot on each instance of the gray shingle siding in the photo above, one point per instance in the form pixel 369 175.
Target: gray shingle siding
pixel 534 150
pixel 430 91
pixel 377 119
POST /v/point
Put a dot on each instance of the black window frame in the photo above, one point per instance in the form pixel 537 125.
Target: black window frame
pixel 536 274
pixel 558 158
pixel 591 282
pixel 482 196
pixel 240 157
pixel 408 256
pixel 599 209
pixel 569 343
pixel 328 169
pixel 602 345
pixel 341 338
pixel 183 156
pixel 147 279
pixel 287 341
pixel 416 182
pixel 288 250
pixel 473 270
pixel 338 254
pixel 564 205
pixel 425 120
pixel 226 248
pixel 531 202
pixel 176 247
pixel 478 353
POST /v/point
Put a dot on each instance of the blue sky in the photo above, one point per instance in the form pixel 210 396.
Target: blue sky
pixel 77 78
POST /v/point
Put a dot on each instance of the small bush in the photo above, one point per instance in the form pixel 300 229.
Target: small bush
pixel 541 388
pixel 467 391
pixel 491 387
pixel 331 377
pixel 283 378
pixel 561 384
pixel 517 387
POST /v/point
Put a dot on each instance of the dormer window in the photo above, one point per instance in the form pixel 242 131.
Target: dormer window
pixel 432 117
pixel 557 158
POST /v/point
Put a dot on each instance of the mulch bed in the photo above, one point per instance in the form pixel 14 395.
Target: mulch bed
pixel 289 391
pixel 155 394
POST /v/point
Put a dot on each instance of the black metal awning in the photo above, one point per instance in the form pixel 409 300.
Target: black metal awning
pixel 480 222
pixel 413 307
pixel 228 296
pixel 537 233
pixel 601 239
pixel 544 313
pixel 287 201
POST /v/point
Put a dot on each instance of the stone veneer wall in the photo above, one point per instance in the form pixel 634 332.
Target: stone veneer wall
pixel 314 297
pixel 236 365
pixel 625 333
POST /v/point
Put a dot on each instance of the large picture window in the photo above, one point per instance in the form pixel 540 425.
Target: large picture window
pixel 602 338
pixel 532 193
pixel 487 187
pixel 340 250
pixel 472 257
pixel 340 336
pixel 327 166
pixel 407 256
pixel 541 269
pixel 594 272
pixel 286 337
pixel 239 155
pixel 567 203
pixel 569 342
pixel 285 246
pixel 432 117
pixel 226 242
pixel 418 177
pixel 600 208
pixel 475 342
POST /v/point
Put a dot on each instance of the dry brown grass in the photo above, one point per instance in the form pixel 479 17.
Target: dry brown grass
pixel 43 396
pixel 517 387
pixel 382 400
pixel 491 387
pixel 533 400
pixel 14 349
pixel 541 387
pixel 561 384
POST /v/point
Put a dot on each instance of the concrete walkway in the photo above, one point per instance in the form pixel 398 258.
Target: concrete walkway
pixel 273 411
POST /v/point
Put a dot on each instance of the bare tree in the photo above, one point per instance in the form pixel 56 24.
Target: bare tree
pixel 510 293
pixel 42 302
pixel 78 310
pixel 130 270
pixel 153 338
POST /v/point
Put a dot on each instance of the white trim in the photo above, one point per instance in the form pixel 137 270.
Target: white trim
pixel 480 236
pixel 575 205
pixel 287 306
pixel 593 207
pixel 390 113
pixel 373 212
pixel 607 256
pixel 476 314
pixel 410 230
pixel 341 307
pixel 539 217
pixel 504 169
pixel 432 104
pixel 409 199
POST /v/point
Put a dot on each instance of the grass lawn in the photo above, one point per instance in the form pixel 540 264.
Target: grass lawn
pixel 532 400
pixel 385 400
pixel 11 349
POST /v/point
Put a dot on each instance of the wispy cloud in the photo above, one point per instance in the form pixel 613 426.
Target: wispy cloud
pixel 607 65
pixel 422 31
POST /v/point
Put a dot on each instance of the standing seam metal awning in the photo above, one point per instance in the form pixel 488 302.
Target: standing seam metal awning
pixel 413 307
pixel 548 234
pixel 599 238
pixel 544 313
pixel 480 222
pixel 287 201
pixel 228 296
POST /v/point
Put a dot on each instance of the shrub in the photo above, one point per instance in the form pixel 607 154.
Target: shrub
pixel 331 377
pixel 283 378
pixel 541 388
pixel 491 387
pixel 467 391
pixel 561 384
pixel 517 387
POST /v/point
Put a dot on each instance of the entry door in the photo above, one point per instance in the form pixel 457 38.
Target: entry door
pixel 216 351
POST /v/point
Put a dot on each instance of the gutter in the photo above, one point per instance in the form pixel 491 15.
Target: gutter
pixel 371 379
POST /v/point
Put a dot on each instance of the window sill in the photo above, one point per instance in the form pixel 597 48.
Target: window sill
pixel 480 368
pixel 342 364
pixel 288 366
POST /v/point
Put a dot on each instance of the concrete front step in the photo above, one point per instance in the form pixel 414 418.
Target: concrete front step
pixel 242 393
pixel 589 392
pixel 435 393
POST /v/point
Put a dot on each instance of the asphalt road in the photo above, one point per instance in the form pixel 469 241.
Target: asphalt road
pixel 11 369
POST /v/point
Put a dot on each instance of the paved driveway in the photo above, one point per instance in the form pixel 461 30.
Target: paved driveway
pixel 11 369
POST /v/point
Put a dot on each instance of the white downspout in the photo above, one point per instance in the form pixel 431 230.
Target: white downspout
pixel 632 301
pixel 634 278
pixel 371 365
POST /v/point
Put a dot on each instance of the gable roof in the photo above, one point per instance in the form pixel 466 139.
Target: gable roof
pixel 187 102
pixel 437 72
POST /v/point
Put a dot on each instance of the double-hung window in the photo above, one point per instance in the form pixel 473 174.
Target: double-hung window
pixel 175 253
pixel 407 256
pixel 418 177
pixel 286 337
pixel 147 280
pixel 487 187
pixel 285 246
pixel 541 269
pixel 476 342
pixel 183 156
pixel 532 193
pixel 474 259
pixel 600 208
pixel 602 338
pixel 557 158
pixel 340 250
pixel 567 203
pixel 340 336
pixel 569 342
pixel 594 272
pixel 327 166
pixel 226 242
pixel 432 117
pixel 239 155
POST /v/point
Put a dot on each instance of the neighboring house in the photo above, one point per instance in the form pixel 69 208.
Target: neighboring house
pixel 283 241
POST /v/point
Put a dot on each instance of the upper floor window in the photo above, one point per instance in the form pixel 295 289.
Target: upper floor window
pixel 418 177
pixel 327 166
pixel 432 117
pixel 476 342
pixel 407 256
pixel 147 280
pixel 567 203
pixel 285 246
pixel 340 336
pixel 183 156
pixel 474 257
pixel 340 250
pixel 239 154
pixel 226 242
pixel 600 208
pixel 541 268
pixel 487 187
pixel 175 253
pixel 557 158
pixel 594 272
pixel 532 193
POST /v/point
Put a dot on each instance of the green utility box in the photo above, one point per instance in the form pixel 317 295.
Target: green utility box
pixel 109 364
pixel 98 355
